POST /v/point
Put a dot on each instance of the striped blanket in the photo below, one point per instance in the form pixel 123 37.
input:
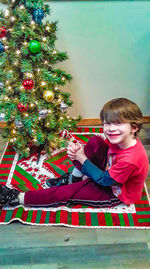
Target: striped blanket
pixel 25 174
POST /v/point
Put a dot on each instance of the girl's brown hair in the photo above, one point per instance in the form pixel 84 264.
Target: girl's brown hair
pixel 120 110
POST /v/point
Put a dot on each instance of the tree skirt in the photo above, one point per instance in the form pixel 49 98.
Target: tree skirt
pixel 25 174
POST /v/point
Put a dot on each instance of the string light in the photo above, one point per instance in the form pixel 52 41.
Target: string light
pixel 22 27
pixel 46 62
pixel 49 111
pixel 54 52
pixel 21 7
pixel 9 88
pixel 56 88
pixel 26 114
pixel 43 83
pixel 13 19
pixel 13 131
pixel 10 30
pixel 6 47
pixel 62 78
pixel 68 117
pixel 47 28
pixel 25 43
pixel 18 52
pixel 44 39
pixel 4 39
pixel 47 124
pixel 6 13
pixel 11 140
pixel 61 118
pixel 59 98
pixel 32 23
pixel 29 75
pixel 31 105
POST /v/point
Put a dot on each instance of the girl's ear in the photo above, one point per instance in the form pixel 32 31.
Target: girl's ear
pixel 135 128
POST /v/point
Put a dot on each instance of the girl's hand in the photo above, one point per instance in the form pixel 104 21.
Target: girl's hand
pixel 72 149
pixel 80 155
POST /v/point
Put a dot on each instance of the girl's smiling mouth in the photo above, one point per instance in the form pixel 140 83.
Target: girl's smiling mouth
pixel 113 135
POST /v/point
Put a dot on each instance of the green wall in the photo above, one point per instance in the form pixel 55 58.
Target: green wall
pixel 109 48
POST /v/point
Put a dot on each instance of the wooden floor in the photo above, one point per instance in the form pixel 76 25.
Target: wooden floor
pixel 24 246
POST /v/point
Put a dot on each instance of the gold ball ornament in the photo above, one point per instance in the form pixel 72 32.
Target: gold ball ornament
pixel 48 96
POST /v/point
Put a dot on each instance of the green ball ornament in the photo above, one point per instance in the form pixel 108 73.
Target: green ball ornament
pixel 34 46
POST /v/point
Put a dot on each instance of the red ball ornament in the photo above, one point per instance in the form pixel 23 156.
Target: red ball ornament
pixel 64 134
pixel 28 84
pixel 3 31
pixel 21 107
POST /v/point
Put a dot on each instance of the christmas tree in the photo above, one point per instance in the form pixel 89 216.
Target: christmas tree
pixel 32 101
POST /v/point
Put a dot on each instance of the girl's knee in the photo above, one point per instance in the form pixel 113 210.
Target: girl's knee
pixel 96 142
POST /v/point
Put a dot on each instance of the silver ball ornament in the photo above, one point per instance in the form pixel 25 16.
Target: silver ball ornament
pixel 43 113
pixel 63 106
pixel 18 123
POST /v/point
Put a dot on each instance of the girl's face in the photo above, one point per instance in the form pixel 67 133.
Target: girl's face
pixel 121 134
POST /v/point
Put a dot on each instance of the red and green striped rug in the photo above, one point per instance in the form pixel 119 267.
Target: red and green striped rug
pixel 24 175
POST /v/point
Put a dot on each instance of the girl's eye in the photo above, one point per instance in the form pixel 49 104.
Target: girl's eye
pixel 118 123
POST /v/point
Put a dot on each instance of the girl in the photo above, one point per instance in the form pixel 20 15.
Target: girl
pixel 121 181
